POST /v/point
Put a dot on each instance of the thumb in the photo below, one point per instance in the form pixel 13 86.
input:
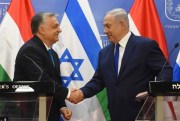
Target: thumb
pixel 73 90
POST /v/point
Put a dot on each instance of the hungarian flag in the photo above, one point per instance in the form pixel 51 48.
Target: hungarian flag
pixel 145 21
pixel 145 17
pixel 14 32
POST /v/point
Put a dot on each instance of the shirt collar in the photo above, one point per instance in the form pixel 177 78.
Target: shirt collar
pixel 47 46
pixel 125 39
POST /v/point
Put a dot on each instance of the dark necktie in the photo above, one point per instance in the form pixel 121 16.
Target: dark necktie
pixel 116 58
pixel 51 55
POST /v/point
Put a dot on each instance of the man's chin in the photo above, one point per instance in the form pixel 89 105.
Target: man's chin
pixel 110 40
pixel 56 40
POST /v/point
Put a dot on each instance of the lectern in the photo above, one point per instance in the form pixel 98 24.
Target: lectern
pixel 25 100
pixel 152 109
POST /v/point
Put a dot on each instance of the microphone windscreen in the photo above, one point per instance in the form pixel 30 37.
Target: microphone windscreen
pixel 176 45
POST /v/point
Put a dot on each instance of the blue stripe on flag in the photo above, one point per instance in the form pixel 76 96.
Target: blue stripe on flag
pixel 176 70
pixel 83 31
pixel 176 73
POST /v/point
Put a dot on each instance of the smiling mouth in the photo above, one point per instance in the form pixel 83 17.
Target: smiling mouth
pixel 109 36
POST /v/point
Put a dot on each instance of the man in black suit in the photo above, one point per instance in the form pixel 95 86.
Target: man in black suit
pixel 140 60
pixel 37 61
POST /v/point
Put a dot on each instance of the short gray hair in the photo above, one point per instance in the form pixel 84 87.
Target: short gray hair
pixel 119 14
pixel 38 19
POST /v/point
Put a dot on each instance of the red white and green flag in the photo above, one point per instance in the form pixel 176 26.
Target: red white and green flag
pixel 145 21
pixel 14 32
pixel 77 51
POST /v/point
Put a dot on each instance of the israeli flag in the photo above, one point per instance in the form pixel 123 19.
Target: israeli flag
pixel 176 70
pixel 78 50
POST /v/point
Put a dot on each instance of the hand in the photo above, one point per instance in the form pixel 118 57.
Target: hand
pixel 76 96
pixel 67 113
pixel 141 96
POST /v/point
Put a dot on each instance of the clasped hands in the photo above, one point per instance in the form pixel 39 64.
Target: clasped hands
pixel 76 96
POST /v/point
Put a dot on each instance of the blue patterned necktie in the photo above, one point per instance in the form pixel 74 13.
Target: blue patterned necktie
pixel 51 55
pixel 116 58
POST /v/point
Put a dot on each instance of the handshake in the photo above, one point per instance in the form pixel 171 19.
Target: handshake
pixel 76 96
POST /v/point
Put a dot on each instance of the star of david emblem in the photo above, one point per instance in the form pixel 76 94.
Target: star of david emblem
pixel 73 69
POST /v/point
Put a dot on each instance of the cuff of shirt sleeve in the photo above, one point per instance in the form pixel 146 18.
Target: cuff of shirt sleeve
pixel 69 93
pixel 62 108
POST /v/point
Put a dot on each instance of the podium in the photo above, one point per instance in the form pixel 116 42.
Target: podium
pixel 152 109
pixel 25 100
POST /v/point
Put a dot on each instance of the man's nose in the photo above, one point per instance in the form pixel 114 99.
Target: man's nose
pixel 105 31
pixel 59 30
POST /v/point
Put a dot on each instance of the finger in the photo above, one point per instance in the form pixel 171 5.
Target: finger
pixel 68 115
pixel 67 118
pixel 73 90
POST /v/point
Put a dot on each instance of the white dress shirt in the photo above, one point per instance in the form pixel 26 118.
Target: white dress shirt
pixel 122 43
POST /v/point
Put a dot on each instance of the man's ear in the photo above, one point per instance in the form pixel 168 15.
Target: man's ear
pixel 122 24
pixel 41 30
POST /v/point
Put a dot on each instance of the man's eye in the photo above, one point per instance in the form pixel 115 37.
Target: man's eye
pixel 108 27
pixel 54 27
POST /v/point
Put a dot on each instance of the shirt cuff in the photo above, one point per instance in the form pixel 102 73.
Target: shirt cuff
pixel 69 93
pixel 62 108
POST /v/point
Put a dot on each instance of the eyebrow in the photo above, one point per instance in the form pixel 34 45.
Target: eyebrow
pixel 107 24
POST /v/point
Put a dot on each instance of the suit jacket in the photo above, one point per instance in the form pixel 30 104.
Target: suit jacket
pixel 142 61
pixel 33 63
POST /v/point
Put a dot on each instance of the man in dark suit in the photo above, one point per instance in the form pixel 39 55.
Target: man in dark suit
pixel 37 61
pixel 140 60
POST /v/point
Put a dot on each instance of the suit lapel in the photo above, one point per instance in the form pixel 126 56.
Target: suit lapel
pixel 50 66
pixel 56 60
pixel 128 51
pixel 42 46
pixel 56 64
pixel 110 60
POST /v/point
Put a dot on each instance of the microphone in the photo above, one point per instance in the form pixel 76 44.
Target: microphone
pixel 39 78
pixel 175 46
